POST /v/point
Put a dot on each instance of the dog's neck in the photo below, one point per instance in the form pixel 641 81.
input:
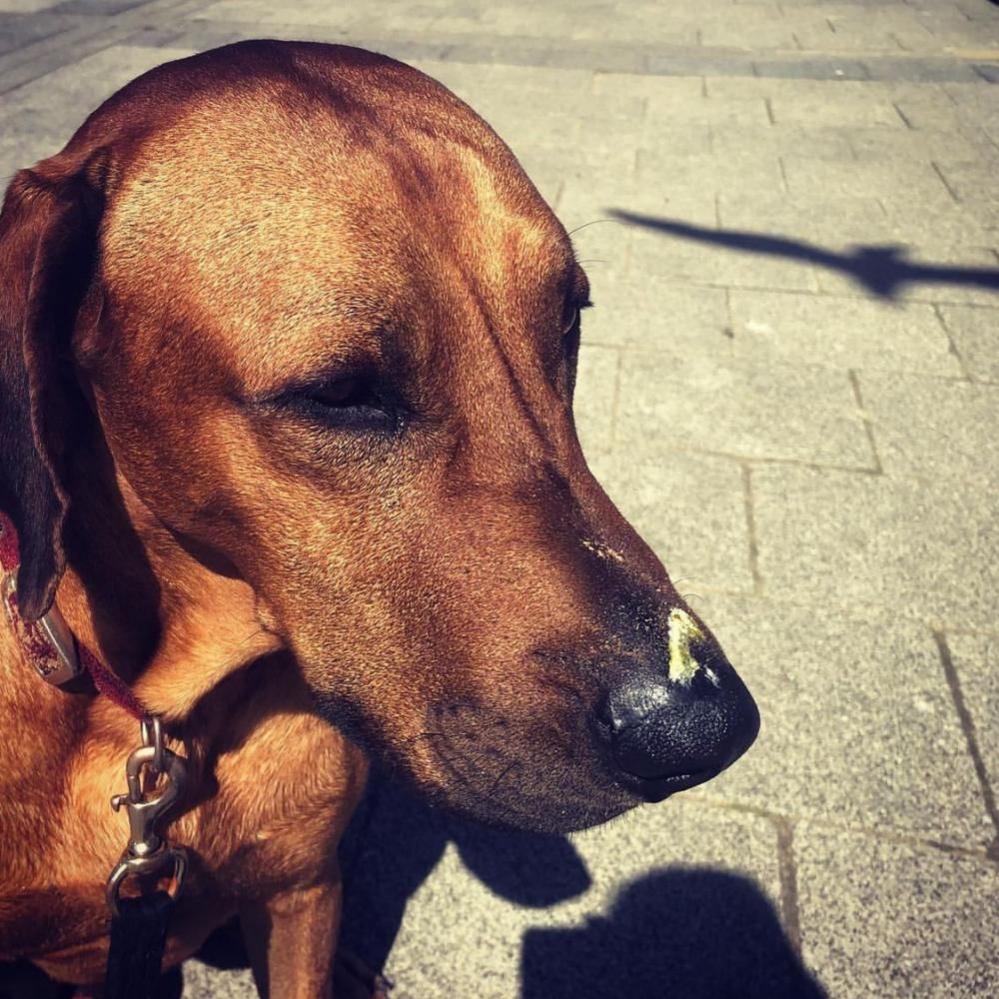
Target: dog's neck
pixel 159 617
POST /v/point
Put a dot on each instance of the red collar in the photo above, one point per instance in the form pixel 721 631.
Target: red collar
pixel 49 645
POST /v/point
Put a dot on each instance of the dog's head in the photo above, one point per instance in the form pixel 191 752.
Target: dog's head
pixel 328 330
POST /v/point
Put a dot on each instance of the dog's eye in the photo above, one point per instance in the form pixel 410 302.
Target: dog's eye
pixel 350 402
pixel 344 392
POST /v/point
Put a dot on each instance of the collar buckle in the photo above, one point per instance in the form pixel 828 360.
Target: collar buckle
pixel 48 643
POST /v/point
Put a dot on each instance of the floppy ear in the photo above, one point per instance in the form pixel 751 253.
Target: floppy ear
pixel 47 254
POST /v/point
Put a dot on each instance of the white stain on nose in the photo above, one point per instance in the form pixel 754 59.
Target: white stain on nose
pixel 683 631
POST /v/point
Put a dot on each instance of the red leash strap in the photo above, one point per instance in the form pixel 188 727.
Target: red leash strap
pixel 110 684
pixel 39 637
pixel 10 551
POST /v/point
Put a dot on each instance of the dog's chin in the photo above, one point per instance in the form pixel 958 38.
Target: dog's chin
pixel 488 784
pixel 554 816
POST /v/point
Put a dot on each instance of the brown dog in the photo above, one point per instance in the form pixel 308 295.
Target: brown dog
pixel 287 353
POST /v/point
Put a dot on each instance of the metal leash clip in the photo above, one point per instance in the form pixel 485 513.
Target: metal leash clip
pixel 147 852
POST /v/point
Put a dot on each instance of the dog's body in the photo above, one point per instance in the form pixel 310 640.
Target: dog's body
pixel 287 352
pixel 276 785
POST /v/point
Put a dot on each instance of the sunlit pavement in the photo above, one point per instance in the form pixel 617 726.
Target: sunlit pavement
pixel 790 384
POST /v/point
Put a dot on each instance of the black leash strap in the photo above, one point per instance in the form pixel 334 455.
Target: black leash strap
pixel 138 936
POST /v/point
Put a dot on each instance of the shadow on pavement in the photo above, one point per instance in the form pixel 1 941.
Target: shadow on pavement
pixel 395 841
pixel 883 271
pixel 677 933
pixel 690 933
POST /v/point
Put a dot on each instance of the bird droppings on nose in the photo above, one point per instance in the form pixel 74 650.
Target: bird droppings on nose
pixel 683 632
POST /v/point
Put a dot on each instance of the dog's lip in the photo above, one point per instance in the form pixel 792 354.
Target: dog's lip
pixel 653 789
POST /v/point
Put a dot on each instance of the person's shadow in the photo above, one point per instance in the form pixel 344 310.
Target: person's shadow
pixel 689 933
pixel 678 933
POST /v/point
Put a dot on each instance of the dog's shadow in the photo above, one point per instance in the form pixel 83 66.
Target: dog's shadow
pixel 691 932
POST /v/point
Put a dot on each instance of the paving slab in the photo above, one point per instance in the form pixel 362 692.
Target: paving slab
pixel 971 181
pixel 941 228
pixel 805 172
pixel 934 428
pixel 667 109
pixel 671 88
pixel 647 312
pixel 976 662
pixel 583 201
pixel 933 108
pixel 692 254
pixel 921 547
pixel 263 13
pixel 858 726
pixel 942 146
pixel 596 388
pixel 846 333
pixel 781 140
pixel 908 921
pixel 941 274
pixel 18 31
pixel 810 178
pixel 70 93
pixel 823 224
pixel 832 110
pixel 203 981
pixel 27 6
pixel 748 169
pixel 975 332
pixel 673 400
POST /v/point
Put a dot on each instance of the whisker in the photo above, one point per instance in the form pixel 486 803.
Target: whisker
pixel 586 225
pixel 502 774
pixel 422 735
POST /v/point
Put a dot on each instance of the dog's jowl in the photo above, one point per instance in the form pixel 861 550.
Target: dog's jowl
pixel 287 358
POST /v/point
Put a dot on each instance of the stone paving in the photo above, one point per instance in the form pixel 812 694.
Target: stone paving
pixel 790 383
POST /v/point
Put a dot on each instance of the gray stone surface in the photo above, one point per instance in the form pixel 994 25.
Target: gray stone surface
pixel 75 90
pixel 969 260
pixel 976 662
pixel 700 401
pixel 921 548
pixel 841 333
pixel 202 981
pixel 975 332
pixel 647 312
pixel 790 391
pixel 909 921
pixel 597 378
pixel 935 428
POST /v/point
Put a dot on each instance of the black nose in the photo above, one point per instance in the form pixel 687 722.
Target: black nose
pixel 667 735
